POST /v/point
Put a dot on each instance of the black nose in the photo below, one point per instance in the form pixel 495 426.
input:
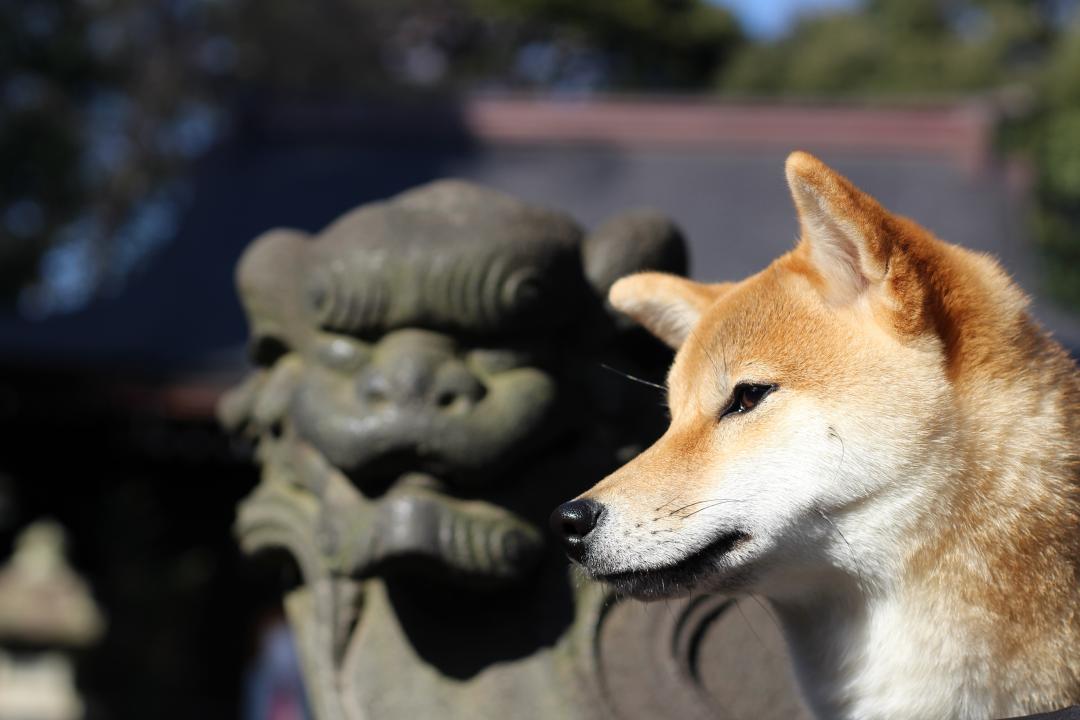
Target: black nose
pixel 572 521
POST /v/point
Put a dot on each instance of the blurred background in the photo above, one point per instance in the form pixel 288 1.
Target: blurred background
pixel 144 143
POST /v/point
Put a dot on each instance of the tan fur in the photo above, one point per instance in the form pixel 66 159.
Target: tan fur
pixel 912 367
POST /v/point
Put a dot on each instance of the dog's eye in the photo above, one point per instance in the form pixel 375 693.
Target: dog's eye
pixel 746 397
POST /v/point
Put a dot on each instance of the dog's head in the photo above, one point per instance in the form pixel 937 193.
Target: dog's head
pixel 813 405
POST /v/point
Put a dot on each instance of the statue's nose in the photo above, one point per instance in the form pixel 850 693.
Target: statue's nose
pixel 455 387
pixel 418 376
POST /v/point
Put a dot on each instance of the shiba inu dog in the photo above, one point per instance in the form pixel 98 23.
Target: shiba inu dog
pixel 874 435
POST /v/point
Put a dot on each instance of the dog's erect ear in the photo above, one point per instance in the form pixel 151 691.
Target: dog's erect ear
pixel 843 229
pixel 668 306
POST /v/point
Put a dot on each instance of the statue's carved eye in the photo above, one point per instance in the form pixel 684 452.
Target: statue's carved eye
pixel 346 355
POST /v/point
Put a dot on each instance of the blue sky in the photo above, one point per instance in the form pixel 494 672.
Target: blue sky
pixel 771 18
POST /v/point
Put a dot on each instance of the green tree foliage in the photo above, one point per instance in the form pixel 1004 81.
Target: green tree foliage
pixel 898 47
pixel 1052 133
pixel 38 146
pixel 657 44
pixel 343 48
pixel 924 48
pixel 101 105
pixel 105 103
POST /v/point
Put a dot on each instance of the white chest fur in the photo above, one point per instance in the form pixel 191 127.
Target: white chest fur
pixel 892 658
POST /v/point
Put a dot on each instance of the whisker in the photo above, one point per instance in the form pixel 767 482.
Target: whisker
pixel 752 630
pixel 718 502
pixel 698 502
pixel 843 447
pixel 673 497
pixel 636 379
pixel 768 610
pixel 720 372
pixel 863 584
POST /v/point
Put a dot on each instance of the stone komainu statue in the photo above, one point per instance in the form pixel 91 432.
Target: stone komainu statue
pixel 430 384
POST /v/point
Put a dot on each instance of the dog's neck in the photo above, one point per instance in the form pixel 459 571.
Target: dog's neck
pixel 895 657
pixel 977 612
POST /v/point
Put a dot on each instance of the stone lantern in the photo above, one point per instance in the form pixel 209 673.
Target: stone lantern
pixel 46 615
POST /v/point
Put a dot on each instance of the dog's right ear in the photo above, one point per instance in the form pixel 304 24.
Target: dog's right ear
pixel 668 306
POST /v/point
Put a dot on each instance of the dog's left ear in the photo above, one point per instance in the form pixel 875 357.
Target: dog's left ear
pixel 845 232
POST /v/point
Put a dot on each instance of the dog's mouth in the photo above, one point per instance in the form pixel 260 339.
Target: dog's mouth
pixel 709 568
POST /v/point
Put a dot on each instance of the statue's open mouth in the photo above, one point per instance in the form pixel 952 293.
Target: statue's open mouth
pixel 417 527
pixel 400 467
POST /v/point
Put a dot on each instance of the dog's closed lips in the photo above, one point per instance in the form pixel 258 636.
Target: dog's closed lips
pixel 678 577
